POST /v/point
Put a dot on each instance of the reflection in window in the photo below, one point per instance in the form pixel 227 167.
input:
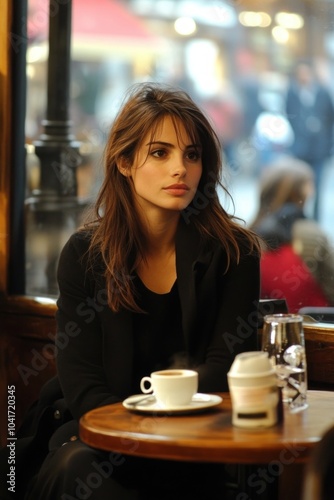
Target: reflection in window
pixel 235 62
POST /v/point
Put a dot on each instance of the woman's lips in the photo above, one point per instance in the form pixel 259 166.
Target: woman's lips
pixel 177 189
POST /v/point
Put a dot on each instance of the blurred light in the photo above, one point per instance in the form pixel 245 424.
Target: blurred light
pixel 289 21
pixel 280 35
pixel 30 148
pixel 207 12
pixel 30 71
pixel 36 53
pixel 185 26
pixel 201 56
pixel 255 19
pixel 44 300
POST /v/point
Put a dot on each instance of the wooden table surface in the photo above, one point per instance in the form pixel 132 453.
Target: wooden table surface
pixel 209 436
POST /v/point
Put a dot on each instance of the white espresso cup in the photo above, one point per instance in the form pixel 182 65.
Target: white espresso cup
pixel 172 387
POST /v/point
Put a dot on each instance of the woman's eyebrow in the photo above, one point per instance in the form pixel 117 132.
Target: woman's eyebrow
pixel 167 144
pixel 159 142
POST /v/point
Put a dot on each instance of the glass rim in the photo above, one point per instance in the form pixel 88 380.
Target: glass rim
pixel 282 318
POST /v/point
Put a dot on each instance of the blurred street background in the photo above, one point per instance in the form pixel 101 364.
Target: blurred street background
pixel 235 58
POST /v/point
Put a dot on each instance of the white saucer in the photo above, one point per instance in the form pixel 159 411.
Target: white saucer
pixel 148 404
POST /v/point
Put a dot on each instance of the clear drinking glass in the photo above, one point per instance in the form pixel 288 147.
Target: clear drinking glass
pixel 283 339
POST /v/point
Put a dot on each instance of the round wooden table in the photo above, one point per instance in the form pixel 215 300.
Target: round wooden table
pixel 209 436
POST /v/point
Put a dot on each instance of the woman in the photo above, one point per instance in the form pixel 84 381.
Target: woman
pixel 159 276
pixel 298 263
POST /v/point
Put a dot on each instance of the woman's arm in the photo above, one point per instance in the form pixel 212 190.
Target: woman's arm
pixel 79 333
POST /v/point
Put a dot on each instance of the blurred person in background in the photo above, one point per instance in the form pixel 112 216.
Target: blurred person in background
pixel 226 114
pixel 272 134
pixel 298 261
pixel 310 110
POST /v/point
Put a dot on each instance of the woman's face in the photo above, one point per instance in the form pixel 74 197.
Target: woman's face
pixel 167 168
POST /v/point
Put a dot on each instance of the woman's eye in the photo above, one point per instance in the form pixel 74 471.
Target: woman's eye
pixel 193 155
pixel 158 153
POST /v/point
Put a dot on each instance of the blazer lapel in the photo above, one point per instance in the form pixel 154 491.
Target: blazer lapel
pixel 192 261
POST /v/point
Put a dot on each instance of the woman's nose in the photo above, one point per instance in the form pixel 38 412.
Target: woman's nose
pixel 178 168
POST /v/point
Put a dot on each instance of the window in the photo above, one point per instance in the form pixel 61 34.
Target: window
pixel 234 61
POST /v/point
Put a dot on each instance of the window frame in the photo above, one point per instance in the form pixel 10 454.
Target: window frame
pixel 5 142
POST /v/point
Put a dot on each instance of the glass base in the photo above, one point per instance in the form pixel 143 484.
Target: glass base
pixel 297 409
pixel 297 405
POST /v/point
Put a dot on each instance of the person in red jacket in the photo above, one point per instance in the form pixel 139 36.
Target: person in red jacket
pixel 284 274
pixel 298 261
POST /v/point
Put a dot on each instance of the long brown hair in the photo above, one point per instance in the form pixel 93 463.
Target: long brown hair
pixel 117 234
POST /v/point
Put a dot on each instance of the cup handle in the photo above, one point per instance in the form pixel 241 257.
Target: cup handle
pixel 144 381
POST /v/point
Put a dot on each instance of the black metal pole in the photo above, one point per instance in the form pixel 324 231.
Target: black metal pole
pixel 59 68
pixel 53 211
pixel 56 147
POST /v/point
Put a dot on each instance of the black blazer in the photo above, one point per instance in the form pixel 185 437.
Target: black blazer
pixel 95 345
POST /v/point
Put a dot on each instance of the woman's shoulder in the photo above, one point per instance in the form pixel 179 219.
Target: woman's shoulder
pixel 76 262
pixel 75 252
pixel 79 242
pixel 248 244
pixel 242 243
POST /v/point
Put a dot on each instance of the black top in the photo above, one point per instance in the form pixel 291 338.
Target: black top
pixel 157 332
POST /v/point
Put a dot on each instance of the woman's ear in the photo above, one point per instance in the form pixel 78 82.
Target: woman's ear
pixel 124 166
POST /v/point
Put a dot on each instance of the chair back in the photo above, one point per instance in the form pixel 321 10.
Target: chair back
pixel 319 477
pixel 319 344
pixel 322 314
